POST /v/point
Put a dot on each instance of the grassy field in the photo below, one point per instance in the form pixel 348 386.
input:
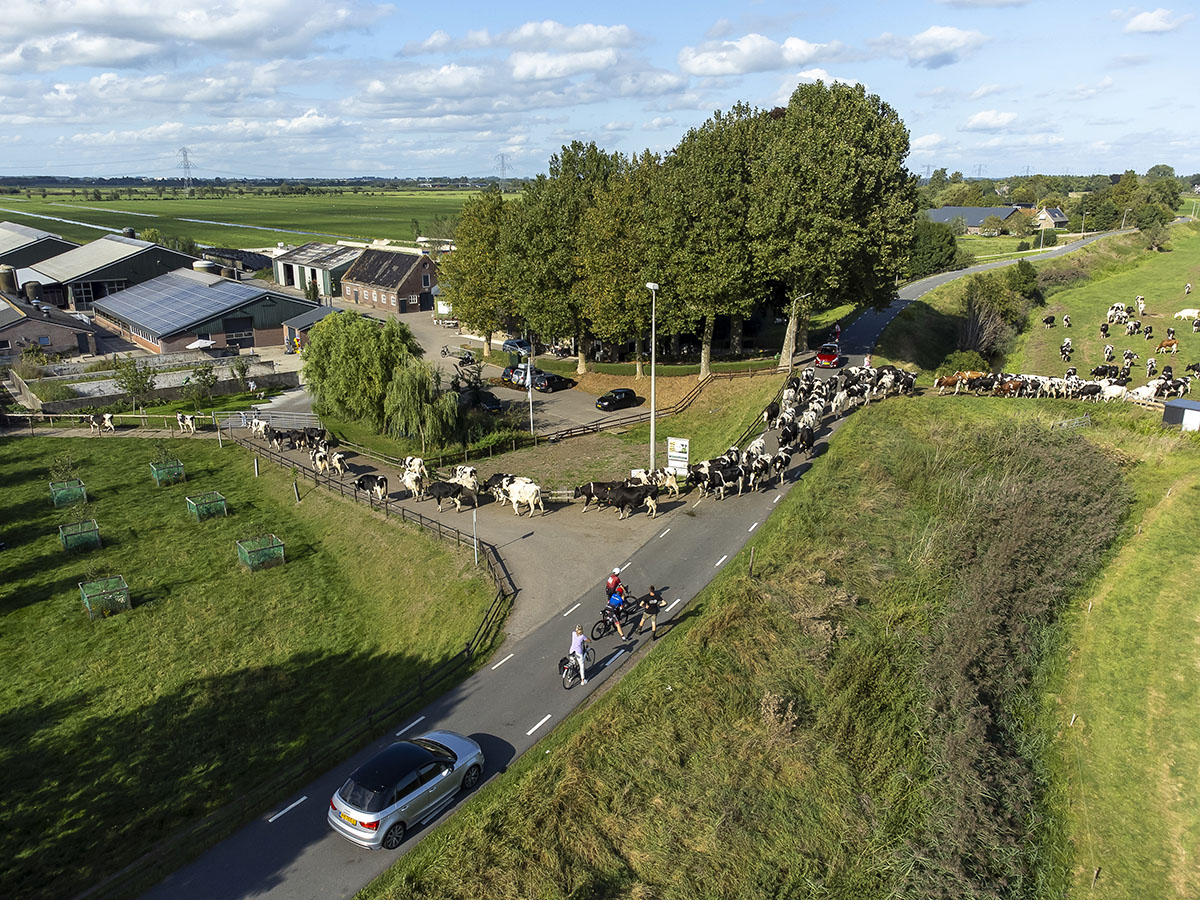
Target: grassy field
pixel 242 222
pixel 1001 245
pixel 1159 277
pixel 120 730
pixel 860 720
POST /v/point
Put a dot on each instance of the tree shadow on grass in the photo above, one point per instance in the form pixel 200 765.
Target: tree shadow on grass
pixel 921 335
pixel 112 784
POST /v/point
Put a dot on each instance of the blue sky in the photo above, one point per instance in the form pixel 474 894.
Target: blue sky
pixel 347 87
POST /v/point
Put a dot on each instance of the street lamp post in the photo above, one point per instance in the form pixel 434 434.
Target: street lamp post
pixel 529 384
pixel 652 286
pixel 1123 215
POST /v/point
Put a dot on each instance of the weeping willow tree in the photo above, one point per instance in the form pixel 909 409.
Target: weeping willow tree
pixel 415 404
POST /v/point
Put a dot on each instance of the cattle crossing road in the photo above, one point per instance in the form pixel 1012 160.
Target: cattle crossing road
pixel 290 852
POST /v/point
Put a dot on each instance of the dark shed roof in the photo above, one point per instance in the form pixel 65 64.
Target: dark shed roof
pixel 306 320
pixel 386 268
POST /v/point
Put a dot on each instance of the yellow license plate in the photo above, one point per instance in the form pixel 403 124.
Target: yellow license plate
pixel 348 819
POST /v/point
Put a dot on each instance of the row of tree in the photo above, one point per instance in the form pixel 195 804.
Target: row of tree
pixel 801 208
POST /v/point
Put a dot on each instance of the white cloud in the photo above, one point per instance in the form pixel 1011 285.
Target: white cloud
pixel 547 35
pixel 926 143
pixel 752 53
pixel 989 120
pixel 1086 92
pixel 1155 22
pixel 43 54
pixel 809 76
pixel 658 123
pixel 936 46
pixel 618 126
pixel 540 66
pixel 985 90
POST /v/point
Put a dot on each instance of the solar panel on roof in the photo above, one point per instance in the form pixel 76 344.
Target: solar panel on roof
pixel 172 302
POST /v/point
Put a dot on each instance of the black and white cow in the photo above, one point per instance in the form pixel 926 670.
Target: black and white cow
pixel 337 462
pixel 186 423
pixel 628 499
pixel 1066 321
pixel 595 490
pixel 374 484
pixel 1103 329
pixel 1109 355
pixel 100 423
pixel 1049 321
pixel 443 491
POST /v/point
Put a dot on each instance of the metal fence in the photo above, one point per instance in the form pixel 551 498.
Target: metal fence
pixel 241 418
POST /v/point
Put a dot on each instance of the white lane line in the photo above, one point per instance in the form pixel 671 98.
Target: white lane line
pixel 627 565
pixel 572 609
pixel 615 656
pixel 664 534
pixel 288 810
pixel 503 661
pixel 721 560
pixel 752 527
pixel 413 724
pixel 672 606
pixel 545 719
pixel 777 499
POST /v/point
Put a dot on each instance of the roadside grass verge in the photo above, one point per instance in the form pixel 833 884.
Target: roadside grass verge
pixel 857 721
pixel 120 730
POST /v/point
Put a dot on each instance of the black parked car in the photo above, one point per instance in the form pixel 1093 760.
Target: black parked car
pixel 548 383
pixel 488 402
pixel 620 398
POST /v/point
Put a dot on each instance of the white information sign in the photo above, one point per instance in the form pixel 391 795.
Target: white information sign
pixel 677 455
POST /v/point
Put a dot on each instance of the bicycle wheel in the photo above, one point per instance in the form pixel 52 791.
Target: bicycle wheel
pixel 571 675
pixel 600 629
pixel 589 658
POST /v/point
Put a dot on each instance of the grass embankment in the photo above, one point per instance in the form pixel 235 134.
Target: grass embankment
pixel 120 730
pixel 1083 283
pixel 859 720
pixel 328 216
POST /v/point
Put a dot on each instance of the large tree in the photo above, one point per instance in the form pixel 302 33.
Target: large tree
pixel 712 173
pixel 472 277
pixel 835 206
pixel 541 242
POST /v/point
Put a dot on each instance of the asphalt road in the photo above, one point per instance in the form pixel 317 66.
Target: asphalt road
pixel 290 853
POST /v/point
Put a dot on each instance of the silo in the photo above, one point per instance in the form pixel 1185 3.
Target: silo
pixel 128 232
pixel 33 290
pixel 205 265
pixel 8 279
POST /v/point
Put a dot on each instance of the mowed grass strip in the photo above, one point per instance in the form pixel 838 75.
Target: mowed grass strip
pixel 120 730
pixel 800 733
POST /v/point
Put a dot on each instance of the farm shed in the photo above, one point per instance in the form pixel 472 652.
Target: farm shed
pixel 323 263
pixel 112 263
pixel 1184 413
pixel 24 325
pixel 972 215
pixel 1050 217
pixel 392 279
pixel 295 330
pixel 21 245
pixel 169 312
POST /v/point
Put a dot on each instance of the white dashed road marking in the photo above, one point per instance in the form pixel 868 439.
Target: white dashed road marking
pixel 664 534
pixel 721 560
pixel 545 719
pixel 287 810
pixel 572 609
pixel 615 657
pixel 413 724
pixel 777 499
pixel 752 527
pixel 672 606
pixel 503 661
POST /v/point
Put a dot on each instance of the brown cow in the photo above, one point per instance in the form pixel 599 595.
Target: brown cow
pixel 947 381
pixel 1170 344
pixel 1010 388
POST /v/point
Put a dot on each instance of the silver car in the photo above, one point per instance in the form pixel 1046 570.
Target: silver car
pixel 403 786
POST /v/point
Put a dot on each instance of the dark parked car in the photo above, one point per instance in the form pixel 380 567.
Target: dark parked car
pixel 402 786
pixel 488 402
pixel 548 383
pixel 619 398
pixel 516 374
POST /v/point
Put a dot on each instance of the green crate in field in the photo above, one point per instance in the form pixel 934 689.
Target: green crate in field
pixel 64 493
pixel 105 597
pixel 206 505
pixel 83 535
pixel 168 471
pixel 260 552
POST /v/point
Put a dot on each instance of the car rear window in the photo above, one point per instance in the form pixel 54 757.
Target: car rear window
pixel 439 750
pixel 363 798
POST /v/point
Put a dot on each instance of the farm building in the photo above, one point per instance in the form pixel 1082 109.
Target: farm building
pixel 1050 217
pixel 974 216
pixel 24 325
pixel 242 260
pixel 105 266
pixel 323 263
pixel 1181 412
pixel 391 279
pixel 21 245
pixel 295 330
pixel 169 312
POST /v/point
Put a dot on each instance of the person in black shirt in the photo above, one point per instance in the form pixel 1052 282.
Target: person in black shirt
pixel 651 604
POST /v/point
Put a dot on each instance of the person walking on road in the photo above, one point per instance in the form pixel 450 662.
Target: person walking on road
pixel 651 604
pixel 867 361
pixel 579 643
pixel 837 331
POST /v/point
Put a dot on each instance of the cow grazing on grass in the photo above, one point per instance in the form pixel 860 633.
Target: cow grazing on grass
pixel 1150 367
pixel 1048 321
pixel 444 491
pixel 1113 392
pixel 1066 321
pixel 595 490
pixel 1143 393
pixel 1141 304
pixel 1103 329
pixel 373 484
pixel 1170 333
pixel 1170 344
pixel 1188 314
pixel 1194 368
pixel 100 423
pixel 1149 332
pixel 1109 355
pixel 186 423
pixel 1117 313
pixel 1196 326
pixel 1129 357
pixel 629 499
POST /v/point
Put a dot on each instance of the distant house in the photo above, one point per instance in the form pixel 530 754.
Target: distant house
pixel 110 264
pixel 169 312
pixel 324 264
pixel 36 324
pixel 974 216
pixel 390 279
pixel 1050 217
pixel 295 330
pixel 21 245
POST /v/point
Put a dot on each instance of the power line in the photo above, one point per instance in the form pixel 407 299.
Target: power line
pixel 186 165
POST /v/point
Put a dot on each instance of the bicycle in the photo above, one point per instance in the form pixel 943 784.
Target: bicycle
pixel 569 666
pixel 609 617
